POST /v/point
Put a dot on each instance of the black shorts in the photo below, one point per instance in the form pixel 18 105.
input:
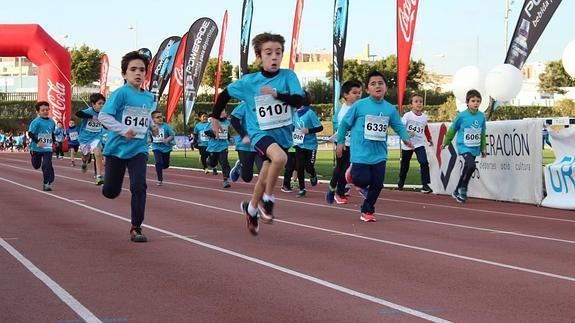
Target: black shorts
pixel 73 147
pixel 263 144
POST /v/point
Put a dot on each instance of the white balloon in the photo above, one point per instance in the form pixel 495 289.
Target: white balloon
pixel 569 59
pixel 504 82
pixel 465 79
pixel 462 106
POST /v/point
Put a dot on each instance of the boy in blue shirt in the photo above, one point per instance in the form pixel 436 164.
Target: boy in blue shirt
pixel 59 136
pixel 247 154
pixel 201 140
pixel 72 133
pixel 91 135
pixel 270 95
pixel 218 147
pixel 127 116
pixel 41 132
pixel 162 145
pixel 306 125
pixel 469 125
pixel 369 120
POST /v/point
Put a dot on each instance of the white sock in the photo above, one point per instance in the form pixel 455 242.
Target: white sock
pixel 268 198
pixel 252 210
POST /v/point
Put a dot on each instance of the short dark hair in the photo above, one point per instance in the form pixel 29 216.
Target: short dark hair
pixel 126 59
pixel 95 97
pixel 262 38
pixel 306 99
pixel 41 104
pixel 472 94
pixel 413 95
pixel 156 112
pixel 374 73
pixel 348 85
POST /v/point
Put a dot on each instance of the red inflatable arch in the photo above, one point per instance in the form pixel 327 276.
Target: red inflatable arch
pixel 53 61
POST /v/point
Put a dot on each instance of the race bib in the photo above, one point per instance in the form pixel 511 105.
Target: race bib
pixel 73 136
pixel 416 127
pixel 59 138
pixel 203 136
pixel 93 125
pixel 137 118
pixel 297 137
pixel 348 138
pixel 223 131
pixel 375 128
pixel 272 113
pixel 472 137
pixel 159 139
pixel 45 138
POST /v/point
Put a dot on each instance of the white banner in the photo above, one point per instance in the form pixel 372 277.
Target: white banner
pixel 560 176
pixel 510 172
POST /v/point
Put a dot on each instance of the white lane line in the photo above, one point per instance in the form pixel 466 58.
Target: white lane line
pixel 264 263
pixel 73 303
pixel 359 236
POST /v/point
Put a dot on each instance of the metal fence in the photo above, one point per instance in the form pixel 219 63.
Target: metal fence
pixel 33 96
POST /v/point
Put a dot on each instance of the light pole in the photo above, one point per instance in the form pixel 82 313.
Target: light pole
pixel 508 4
pixel 135 30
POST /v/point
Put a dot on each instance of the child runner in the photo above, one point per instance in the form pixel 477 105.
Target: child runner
pixel 127 117
pixel 91 135
pixel 59 136
pixel 201 140
pixel 162 145
pixel 469 125
pixel 73 133
pixel 306 125
pixel 247 154
pixel 416 123
pixel 270 95
pixel 369 119
pixel 41 132
pixel 218 147
pixel 289 171
pixel 351 91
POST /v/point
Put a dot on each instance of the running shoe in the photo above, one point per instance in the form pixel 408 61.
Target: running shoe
pixel 99 180
pixel 367 217
pixel 251 221
pixel 301 193
pixel 46 187
pixel 227 183
pixel 330 196
pixel 456 195
pixel 266 209
pixel 159 183
pixel 286 189
pixel 363 192
pixel 206 171
pixel 341 199
pixel 313 180
pixel 84 167
pixel 214 171
pixel 236 171
pixel 425 189
pixel 136 235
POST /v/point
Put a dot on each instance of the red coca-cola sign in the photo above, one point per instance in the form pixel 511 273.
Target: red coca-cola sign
pixel 57 98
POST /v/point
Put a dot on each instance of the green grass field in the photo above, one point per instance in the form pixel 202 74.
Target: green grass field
pixel 324 164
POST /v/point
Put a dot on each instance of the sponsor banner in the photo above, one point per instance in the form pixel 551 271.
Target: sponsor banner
pixel 247 13
pixel 146 51
pixel 406 17
pixel 560 176
pixel 201 37
pixel 104 75
pixel 295 34
pixel 533 19
pixel 176 81
pixel 163 64
pixel 182 142
pixel 221 55
pixel 510 172
pixel 339 37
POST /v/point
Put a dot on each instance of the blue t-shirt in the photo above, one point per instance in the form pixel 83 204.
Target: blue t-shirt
pixel 369 121
pixel 73 134
pixel 199 132
pixel 240 113
pixel 59 134
pixel 42 128
pixel 308 119
pixel 266 116
pixel 469 127
pixel 90 129
pixel 217 145
pixel 164 131
pixel 132 108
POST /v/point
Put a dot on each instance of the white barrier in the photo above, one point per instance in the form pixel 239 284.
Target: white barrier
pixel 560 176
pixel 510 172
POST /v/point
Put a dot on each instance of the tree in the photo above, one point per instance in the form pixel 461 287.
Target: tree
pixel 319 91
pixel 85 65
pixel 209 78
pixel 554 77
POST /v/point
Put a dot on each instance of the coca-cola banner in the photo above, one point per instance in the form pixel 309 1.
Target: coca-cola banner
pixel 533 19
pixel 221 54
pixel 247 12
pixel 339 37
pixel 406 16
pixel 176 81
pixel 201 37
pixel 104 75
pixel 163 64
pixel 295 33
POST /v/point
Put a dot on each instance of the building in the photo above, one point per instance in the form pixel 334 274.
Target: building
pixel 18 74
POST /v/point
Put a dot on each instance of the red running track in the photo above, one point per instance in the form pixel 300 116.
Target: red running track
pixel 426 259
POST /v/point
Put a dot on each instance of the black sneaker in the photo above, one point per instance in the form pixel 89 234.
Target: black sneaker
pixel 425 189
pixel 251 221
pixel 301 193
pixel 136 235
pixel 214 171
pixel 400 185
pixel 313 180
pixel 266 211
pixel 457 196
pixel 227 183
pixel 286 189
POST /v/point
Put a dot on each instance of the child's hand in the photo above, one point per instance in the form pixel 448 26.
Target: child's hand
pixel 411 133
pixel 431 143
pixel 339 150
pixel 305 131
pixel 216 127
pixel 130 134
pixel 269 90
pixel 407 143
pixel 443 146
pixel 246 140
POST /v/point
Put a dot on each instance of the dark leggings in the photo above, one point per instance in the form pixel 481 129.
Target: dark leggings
pixel 162 162
pixel 204 156
pixel 289 168
pixel 222 158
pixel 304 161
pixel 59 149
pixel 247 160
pixel 338 176
pixel 467 171
pixel 423 164
pixel 114 177
pixel 44 159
